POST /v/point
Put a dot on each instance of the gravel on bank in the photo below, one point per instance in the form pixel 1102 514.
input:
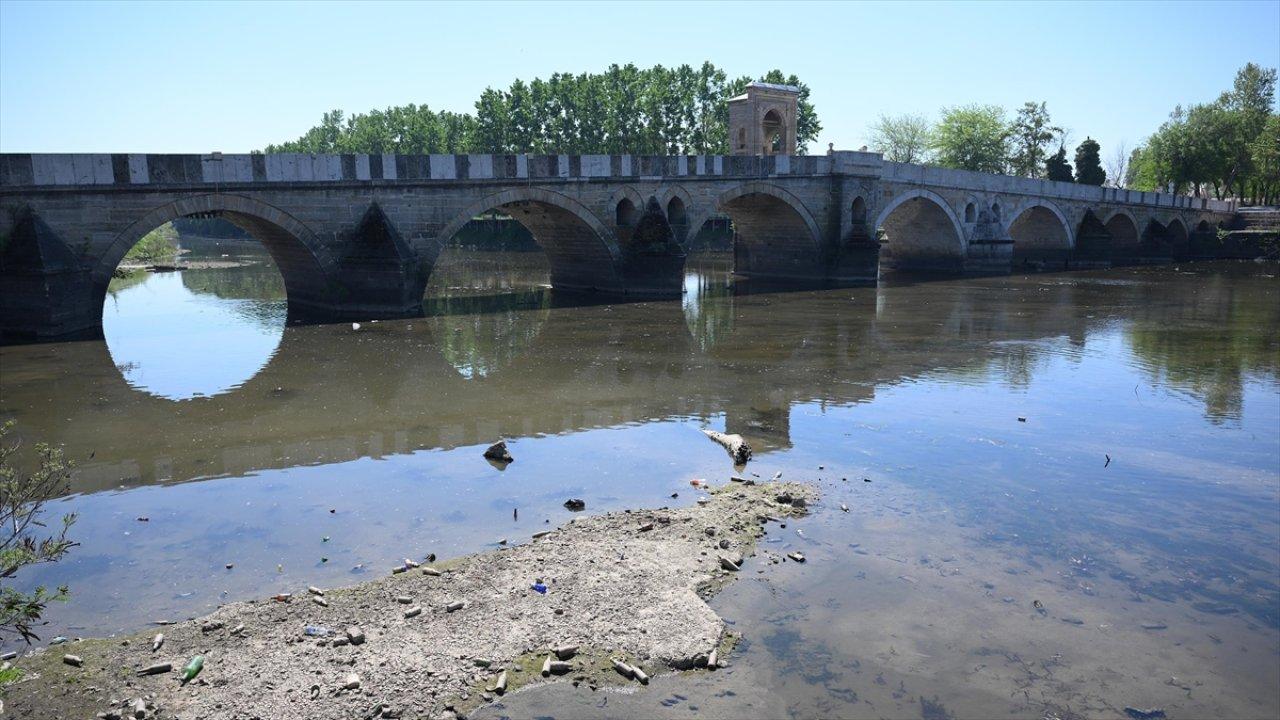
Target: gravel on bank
pixel 624 600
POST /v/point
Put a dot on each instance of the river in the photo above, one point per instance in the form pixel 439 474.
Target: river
pixel 1062 490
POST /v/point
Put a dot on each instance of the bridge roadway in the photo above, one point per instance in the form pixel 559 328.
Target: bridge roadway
pixel 356 236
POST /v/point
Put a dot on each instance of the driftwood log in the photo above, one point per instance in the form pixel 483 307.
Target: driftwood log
pixel 737 448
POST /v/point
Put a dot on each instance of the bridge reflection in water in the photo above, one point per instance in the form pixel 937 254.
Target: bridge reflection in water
pixel 533 362
pixel 911 384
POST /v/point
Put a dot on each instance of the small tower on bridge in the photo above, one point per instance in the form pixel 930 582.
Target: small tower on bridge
pixel 762 121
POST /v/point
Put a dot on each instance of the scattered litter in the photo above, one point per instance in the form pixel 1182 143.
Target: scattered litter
pixel 157 641
pixel 499 685
pixel 540 588
pixel 74 660
pixel 575 504
pixel 1147 714
pixel 316 631
pixel 564 652
pixel 157 669
pixel 192 669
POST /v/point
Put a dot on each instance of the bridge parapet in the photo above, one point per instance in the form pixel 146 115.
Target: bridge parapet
pixel 135 170
pixel 927 175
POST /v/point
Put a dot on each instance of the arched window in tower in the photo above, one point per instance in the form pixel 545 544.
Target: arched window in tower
pixel 742 138
pixel 775 133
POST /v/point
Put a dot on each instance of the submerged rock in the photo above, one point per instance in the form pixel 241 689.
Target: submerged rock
pixel 498 452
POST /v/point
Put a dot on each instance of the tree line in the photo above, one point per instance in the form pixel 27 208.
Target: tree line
pixel 981 138
pixel 625 109
pixel 1230 147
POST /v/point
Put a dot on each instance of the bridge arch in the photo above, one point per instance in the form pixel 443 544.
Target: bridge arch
pixel 582 250
pixel 1179 237
pixel 921 232
pixel 775 235
pixel 1041 234
pixel 1124 230
pixel 305 265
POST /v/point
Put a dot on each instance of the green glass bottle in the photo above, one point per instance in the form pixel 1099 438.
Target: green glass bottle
pixel 192 669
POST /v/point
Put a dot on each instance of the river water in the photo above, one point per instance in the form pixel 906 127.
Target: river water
pixel 1105 444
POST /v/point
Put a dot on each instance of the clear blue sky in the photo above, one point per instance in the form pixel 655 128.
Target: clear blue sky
pixel 197 77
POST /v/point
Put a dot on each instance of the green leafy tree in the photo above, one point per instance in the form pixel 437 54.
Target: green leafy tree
pixel 1211 146
pixel 902 138
pixel 973 137
pixel 1056 167
pixel 1265 151
pixel 1031 133
pixel 22 540
pixel 654 111
pixel 1089 163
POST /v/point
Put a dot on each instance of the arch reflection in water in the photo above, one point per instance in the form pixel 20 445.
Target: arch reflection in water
pixel 486 307
pixel 708 297
pixel 198 332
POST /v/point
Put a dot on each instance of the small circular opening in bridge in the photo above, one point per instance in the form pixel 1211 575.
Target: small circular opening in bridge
pixel 196 308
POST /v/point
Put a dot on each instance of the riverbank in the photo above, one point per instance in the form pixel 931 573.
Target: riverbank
pixel 438 640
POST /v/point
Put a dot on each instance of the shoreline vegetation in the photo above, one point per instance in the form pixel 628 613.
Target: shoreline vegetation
pixel 603 600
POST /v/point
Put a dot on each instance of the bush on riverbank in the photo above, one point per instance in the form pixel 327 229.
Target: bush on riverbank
pixel 22 496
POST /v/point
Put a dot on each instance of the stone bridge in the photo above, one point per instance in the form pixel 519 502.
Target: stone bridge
pixel 357 236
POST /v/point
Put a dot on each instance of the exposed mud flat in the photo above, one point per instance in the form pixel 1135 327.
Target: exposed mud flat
pixel 436 640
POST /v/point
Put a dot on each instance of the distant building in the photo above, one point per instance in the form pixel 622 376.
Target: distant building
pixel 762 121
